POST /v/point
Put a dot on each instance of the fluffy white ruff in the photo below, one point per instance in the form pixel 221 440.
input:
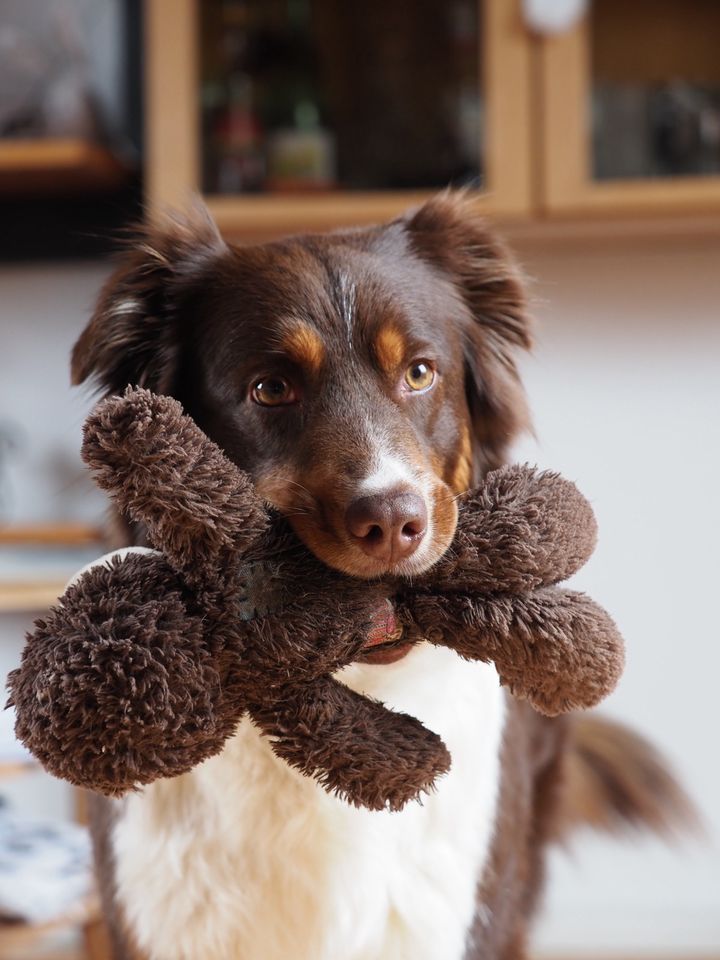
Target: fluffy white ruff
pixel 245 859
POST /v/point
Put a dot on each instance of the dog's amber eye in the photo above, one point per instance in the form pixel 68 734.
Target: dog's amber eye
pixel 419 375
pixel 273 392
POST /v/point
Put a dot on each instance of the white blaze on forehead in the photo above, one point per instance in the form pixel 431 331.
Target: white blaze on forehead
pixel 347 302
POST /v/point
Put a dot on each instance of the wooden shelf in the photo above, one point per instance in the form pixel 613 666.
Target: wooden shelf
pixel 49 534
pixel 16 768
pixel 17 936
pixel 55 165
pixel 28 592
pixel 270 215
pixel 172 130
pixel 604 228
pixel 32 596
pixel 254 219
pixel 565 80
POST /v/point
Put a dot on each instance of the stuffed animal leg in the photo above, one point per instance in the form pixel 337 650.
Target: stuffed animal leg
pixel 352 745
pixel 162 471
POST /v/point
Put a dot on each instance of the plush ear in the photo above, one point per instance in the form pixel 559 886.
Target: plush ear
pixel 448 232
pixel 133 336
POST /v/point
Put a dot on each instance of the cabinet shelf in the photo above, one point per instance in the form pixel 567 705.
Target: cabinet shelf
pixel 20 936
pixel 38 559
pixel 50 534
pixel 270 215
pixel 54 165
pixel 601 54
pixel 9 769
pixel 32 595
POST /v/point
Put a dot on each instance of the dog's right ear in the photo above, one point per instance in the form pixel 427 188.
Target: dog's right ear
pixel 133 335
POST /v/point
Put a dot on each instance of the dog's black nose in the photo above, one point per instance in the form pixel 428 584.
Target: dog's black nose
pixel 388 526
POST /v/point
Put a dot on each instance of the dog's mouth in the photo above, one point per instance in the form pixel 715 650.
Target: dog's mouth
pixel 386 641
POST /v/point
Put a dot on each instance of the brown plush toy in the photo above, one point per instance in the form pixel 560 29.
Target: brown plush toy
pixel 148 663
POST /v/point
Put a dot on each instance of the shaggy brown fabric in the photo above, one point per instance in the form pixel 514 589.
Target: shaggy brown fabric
pixel 145 667
pixel 353 745
pixel 555 648
pixel 520 530
pixel 185 492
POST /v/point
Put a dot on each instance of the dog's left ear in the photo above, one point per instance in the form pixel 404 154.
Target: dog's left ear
pixel 448 232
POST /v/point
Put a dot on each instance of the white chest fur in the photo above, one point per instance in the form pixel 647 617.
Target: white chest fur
pixel 243 859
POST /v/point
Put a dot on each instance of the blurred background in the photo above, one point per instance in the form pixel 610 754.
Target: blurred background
pixel 590 133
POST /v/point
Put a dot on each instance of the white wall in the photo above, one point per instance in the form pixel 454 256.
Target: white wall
pixel 625 386
pixel 42 310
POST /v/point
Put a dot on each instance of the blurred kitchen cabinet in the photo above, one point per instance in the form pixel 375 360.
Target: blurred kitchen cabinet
pixel 631 110
pixel 308 114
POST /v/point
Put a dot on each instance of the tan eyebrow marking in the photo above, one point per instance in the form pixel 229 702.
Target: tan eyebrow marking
pixel 305 346
pixel 390 348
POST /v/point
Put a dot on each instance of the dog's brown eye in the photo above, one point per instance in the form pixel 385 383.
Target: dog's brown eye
pixel 419 375
pixel 273 392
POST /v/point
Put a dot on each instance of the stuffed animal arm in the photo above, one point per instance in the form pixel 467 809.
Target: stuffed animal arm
pixel 492 597
pixel 148 663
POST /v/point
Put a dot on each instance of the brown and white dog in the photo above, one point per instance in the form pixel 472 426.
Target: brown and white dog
pixel 364 379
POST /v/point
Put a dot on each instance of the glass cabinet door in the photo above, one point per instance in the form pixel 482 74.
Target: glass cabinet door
pixel 633 107
pixel 301 95
pixel 317 111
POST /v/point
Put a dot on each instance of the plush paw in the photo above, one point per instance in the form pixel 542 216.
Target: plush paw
pixel 521 529
pixel 117 686
pixel 561 652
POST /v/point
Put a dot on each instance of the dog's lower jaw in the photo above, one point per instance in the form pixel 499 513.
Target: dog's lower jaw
pixel 245 858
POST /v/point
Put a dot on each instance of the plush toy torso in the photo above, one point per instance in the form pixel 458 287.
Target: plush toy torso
pixel 273 867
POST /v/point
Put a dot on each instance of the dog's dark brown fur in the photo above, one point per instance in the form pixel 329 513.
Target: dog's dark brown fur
pixel 187 315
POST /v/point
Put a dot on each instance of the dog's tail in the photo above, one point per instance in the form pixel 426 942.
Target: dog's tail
pixel 615 779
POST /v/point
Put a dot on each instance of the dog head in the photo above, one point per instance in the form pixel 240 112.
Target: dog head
pixel 364 378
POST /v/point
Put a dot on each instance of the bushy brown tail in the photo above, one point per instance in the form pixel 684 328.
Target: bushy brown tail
pixel 615 780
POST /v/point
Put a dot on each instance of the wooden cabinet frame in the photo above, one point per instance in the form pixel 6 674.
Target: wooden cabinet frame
pixel 172 131
pixel 567 187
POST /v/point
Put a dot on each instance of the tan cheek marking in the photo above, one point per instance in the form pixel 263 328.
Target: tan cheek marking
pixel 462 472
pixel 460 481
pixel 390 348
pixel 445 514
pixel 304 345
pixel 436 461
pixel 299 495
pixel 279 489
